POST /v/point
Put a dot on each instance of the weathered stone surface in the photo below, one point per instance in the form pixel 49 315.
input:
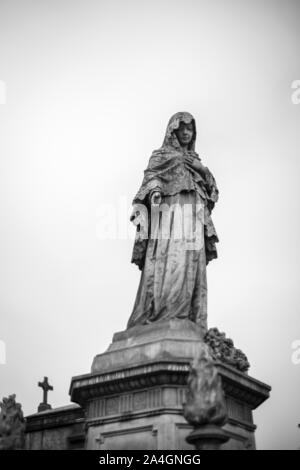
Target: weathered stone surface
pixel 134 396
pixel 223 349
pixel 205 403
pixel 60 428
pixel 134 400
pixel 205 406
pixel 160 341
pixel 208 437
pixel 46 387
pixel 12 424
pixel 175 234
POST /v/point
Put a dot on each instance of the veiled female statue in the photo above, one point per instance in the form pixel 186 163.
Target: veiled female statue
pixel 175 236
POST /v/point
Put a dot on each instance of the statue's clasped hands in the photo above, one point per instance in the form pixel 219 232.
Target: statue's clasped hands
pixel 195 163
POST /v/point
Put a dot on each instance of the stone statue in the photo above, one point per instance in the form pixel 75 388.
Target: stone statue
pixel 175 237
pixel 12 425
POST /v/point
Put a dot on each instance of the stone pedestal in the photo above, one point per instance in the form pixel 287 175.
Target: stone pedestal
pixel 44 407
pixel 208 437
pixel 133 396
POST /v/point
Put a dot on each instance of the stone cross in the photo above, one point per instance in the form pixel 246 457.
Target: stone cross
pixel 46 387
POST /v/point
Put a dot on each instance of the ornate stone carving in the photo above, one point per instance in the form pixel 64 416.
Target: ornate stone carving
pixel 12 425
pixel 222 349
pixel 205 402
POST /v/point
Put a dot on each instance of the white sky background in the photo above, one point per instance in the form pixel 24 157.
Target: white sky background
pixel 90 88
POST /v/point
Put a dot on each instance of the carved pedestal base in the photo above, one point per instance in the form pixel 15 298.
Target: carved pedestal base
pixel 134 394
pixel 44 407
pixel 207 437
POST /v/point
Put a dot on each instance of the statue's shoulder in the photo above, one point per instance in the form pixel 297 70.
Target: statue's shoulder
pixel 157 157
pixel 161 152
pixel 165 152
pixel 161 158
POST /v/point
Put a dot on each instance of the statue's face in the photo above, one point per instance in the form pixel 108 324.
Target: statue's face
pixel 185 133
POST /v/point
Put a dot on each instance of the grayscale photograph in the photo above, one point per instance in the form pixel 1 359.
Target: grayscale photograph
pixel 149 208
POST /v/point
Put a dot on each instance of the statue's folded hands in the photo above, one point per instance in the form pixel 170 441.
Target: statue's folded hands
pixel 196 164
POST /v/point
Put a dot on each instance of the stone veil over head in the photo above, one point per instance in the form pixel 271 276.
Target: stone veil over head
pixel 173 278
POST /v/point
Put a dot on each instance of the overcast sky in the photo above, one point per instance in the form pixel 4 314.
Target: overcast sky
pixel 90 86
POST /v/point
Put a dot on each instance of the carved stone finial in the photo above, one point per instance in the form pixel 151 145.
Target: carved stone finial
pixel 205 406
pixel 205 403
pixel 12 424
pixel 222 349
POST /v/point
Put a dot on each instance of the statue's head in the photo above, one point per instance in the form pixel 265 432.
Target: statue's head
pixel 185 133
pixel 181 131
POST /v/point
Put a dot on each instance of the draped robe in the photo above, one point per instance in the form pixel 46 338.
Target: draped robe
pixel 173 249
